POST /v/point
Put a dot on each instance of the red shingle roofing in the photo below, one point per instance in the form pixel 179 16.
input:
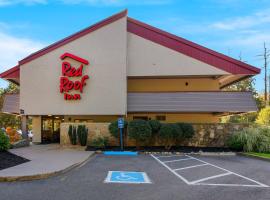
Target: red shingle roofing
pixel 156 35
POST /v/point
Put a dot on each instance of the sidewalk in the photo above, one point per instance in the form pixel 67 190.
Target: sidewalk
pixel 45 161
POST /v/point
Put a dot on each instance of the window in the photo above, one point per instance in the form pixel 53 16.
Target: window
pixel 161 117
pixel 140 117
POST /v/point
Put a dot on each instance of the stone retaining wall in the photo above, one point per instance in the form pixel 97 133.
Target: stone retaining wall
pixel 206 135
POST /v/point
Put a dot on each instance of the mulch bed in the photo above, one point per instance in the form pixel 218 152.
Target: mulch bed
pixel 8 159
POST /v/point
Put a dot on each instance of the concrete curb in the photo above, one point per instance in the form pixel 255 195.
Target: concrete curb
pixel 45 175
pixel 252 156
pixel 194 153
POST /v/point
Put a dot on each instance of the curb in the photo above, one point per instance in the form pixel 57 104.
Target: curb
pixel 46 175
pixel 230 153
pixel 252 156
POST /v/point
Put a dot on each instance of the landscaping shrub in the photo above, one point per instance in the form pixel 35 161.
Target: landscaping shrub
pixel 264 116
pixel 82 133
pixel 140 131
pixel 113 128
pixel 100 142
pixel 251 139
pixel 188 130
pixel 169 133
pixel 236 141
pixel 72 133
pixel 155 125
pixel 4 141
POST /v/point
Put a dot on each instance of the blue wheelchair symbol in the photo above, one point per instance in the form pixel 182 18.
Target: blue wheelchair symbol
pixel 127 177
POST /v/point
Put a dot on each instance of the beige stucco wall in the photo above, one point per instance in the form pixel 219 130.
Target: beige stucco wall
pixel 172 85
pixel 146 58
pixel 90 118
pixel 36 128
pixel 179 117
pixel 105 92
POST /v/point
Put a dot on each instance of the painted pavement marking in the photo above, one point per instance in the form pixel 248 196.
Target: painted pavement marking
pixel 127 177
pixel 200 181
pixel 189 167
pixel 168 161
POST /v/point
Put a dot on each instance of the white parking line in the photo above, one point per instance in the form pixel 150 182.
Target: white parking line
pixel 168 161
pixel 210 177
pixel 170 156
pixel 190 167
pixel 176 174
pixel 199 181
pixel 261 184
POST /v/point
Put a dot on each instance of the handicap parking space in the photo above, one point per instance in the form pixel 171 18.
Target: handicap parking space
pixel 127 177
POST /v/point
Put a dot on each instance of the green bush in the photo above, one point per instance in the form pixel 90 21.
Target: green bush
pixel 236 141
pixel 155 125
pixel 251 139
pixel 72 133
pixel 82 133
pixel 4 141
pixel 264 116
pixel 169 134
pixel 188 130
pixel 100 142
pixel 139 130
pixel 113 128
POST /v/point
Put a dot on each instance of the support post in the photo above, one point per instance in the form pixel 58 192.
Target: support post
pixel 24 126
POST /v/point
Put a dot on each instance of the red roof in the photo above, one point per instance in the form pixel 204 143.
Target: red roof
pixel 156 35
pixel 13 73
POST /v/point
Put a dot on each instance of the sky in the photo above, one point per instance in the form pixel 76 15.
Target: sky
pixel 236 28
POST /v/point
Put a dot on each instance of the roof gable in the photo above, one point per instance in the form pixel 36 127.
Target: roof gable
pixel 189 48
pixel 74 37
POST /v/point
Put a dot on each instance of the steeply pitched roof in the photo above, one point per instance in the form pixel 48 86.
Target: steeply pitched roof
pixel 153 34
pixel 74 37
pixel 190 49
pixel 13 73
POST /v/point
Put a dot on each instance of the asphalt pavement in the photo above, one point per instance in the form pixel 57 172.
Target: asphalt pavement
pixel 174 177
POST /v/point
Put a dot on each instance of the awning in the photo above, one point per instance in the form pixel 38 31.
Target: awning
pixel 175 102
pixel 11 104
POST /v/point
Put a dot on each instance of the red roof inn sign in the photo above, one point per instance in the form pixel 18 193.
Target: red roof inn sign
pixel 72 79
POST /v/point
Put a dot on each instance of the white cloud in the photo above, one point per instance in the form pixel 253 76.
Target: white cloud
pixel 14 49
pixel 116 2
pixel 258 18
pixel 25 2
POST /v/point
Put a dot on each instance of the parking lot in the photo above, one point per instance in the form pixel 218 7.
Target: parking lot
pixel 173 177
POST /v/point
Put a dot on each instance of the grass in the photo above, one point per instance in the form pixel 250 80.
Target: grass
pixel 261 155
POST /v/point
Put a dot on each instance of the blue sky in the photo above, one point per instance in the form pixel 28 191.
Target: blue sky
pixel 232 27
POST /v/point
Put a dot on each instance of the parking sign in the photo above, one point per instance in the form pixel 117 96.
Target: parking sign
pixel 120 123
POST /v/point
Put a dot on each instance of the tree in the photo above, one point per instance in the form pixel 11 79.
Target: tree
pixel 265 55
pixel 247 84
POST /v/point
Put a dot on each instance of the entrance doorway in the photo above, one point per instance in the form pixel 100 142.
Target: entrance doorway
pixel 50 129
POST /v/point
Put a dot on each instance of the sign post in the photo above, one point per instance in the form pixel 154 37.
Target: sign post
pixel 121 125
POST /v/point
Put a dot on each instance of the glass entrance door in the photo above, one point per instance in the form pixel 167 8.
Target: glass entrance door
pixel 50 130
